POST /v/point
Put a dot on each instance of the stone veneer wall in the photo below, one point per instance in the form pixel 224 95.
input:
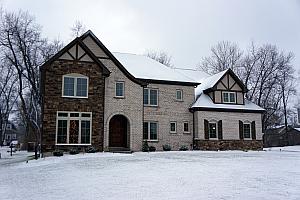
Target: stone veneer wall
pixel 168 110
pixel 131 106
pixel 229 145
pixel 53 100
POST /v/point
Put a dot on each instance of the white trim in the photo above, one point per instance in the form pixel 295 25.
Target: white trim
pixel 228 92
pixel 157 128
pixel 175 127
pixel 250 138
pixel 188 127
pixel 75 77
pixel 149 89
pixel 123 88
pixel 213 122
pixel 68 119
pixel 181 96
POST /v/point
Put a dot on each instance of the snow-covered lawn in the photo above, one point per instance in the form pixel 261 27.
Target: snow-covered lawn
pixel 17 156
pixel 270 174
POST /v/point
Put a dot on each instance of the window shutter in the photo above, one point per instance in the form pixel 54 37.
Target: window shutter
pixel 220 130
pixel 241 128
pixel 206 136
pixel 253 130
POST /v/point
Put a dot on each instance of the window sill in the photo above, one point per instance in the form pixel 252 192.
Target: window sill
pixel 119 97
pixel 154 106
pixel 75 97
pixel 187 133
pixel 178 100
pixel 151 141
pixel 213 139
pixel 173 133
pixel 247 138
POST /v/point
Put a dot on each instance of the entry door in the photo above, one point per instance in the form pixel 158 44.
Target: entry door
pixel 118 131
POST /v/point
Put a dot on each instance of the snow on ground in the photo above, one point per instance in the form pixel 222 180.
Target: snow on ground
pixel 270 174
pixel 17 156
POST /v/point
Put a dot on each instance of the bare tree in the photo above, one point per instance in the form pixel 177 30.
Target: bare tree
pixel 161 57
pixel 77 29
pixel 224 55
pixel 24 49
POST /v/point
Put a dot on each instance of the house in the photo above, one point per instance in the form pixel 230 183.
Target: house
pixel 10 133
pixel 115 101
pixel 280 136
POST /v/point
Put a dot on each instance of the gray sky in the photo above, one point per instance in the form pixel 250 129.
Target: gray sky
pixel 185 29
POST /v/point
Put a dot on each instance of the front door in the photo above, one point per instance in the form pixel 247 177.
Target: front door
pixel 118 131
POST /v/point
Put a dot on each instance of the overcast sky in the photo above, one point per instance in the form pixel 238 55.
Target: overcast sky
pixel 185 29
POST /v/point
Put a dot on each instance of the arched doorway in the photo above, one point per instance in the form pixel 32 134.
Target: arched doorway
pixel 118 131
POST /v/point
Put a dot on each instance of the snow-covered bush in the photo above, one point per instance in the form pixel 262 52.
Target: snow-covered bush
pixel 152 149
pixel 91 149
pixel 74 151
pixel 58 153
pixel 145 147
pixel 183 148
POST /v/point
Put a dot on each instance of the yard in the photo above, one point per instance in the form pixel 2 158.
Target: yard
pixel 270 174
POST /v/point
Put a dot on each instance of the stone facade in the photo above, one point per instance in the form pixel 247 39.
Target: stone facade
pixel 53 100
pixel 171 110
pixel 131 106
pixel 215 145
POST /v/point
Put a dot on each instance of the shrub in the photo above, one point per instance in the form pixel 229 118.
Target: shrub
pixel 152 149
pixel 74 151
pixel 58 153
pixel 166 147
pixel 183 148
pixel 145 147
pixel 91 149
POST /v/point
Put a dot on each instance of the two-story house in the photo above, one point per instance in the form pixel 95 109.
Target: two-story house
pixel 111 101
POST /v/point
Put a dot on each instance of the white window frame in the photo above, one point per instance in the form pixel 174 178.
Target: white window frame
pixel 123 88
pixel 213 122
pixel 181 94
pixel 157 128
pixel 149 89
pixel 69 118
pixel 188 125
pixel 228 93
pixel 249 123
pixel 175 131
pixel 75 76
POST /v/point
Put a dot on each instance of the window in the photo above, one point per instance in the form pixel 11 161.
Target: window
pixel 75 85
pixel 179 95
pixel 150 97
pixel 73 128
pixel 173 128
pixel 119 89
pixel 229 97
pixel 186 127
pixel 150 131
pixel 212 130
pixel 8 126
pixel 247 131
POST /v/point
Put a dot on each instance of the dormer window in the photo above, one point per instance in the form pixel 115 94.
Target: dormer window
pixel 229 97
pixel 75 85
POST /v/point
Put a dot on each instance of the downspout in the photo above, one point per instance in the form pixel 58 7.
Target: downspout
pixel 193 130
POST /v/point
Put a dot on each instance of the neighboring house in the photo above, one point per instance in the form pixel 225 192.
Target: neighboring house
pixel 10 133
pixel 278 136
pixel 115 101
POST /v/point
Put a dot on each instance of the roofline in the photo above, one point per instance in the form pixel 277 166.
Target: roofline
pixel 237 79
pixel 112 57
pixel 193 109
pixel 168 82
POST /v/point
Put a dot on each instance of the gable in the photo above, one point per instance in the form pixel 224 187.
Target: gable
pixel 94 47
pixel 76 53
pixel 228 83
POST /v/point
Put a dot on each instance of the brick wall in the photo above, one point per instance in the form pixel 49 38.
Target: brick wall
pixel 131 106
pixel 169 109
pixel 53 100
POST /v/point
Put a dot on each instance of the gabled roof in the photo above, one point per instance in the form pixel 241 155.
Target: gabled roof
pixel 205 103
pixel 84 47
pixel 211 82
pixel 149 70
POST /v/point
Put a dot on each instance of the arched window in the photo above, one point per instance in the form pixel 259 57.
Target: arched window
pixel 75 85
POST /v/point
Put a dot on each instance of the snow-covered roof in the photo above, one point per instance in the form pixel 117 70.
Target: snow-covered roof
pixel 196 75
pixel 143 67
pixel 209 82
pixel 204 101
